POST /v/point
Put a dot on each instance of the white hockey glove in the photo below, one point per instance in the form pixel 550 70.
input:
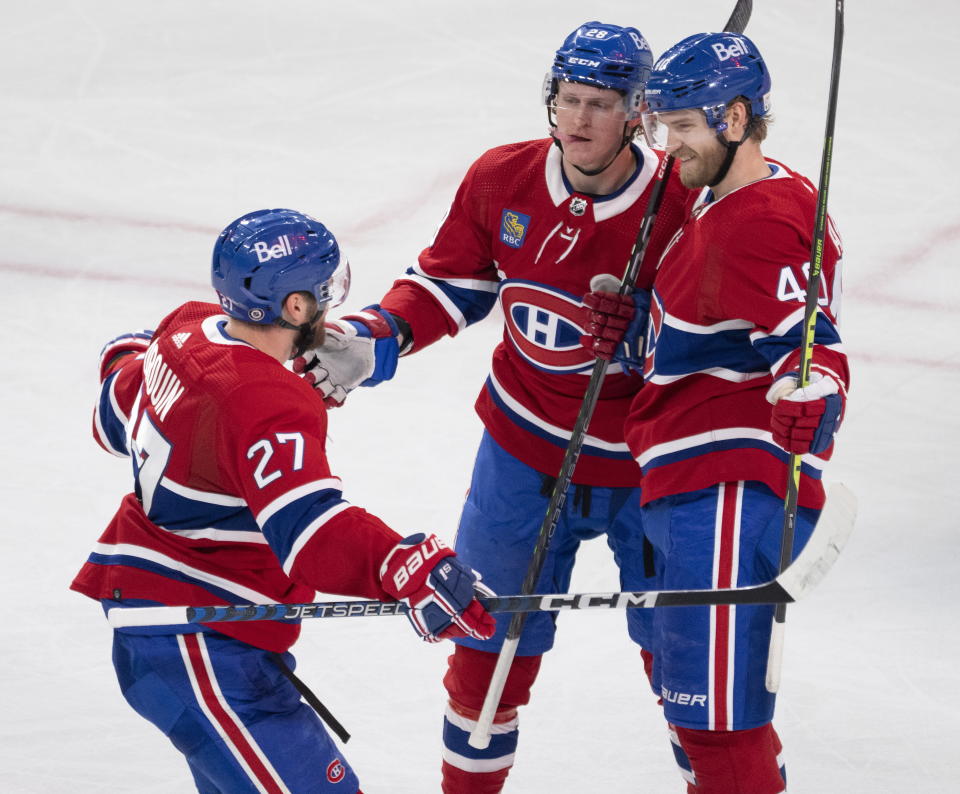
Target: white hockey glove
pixel 358 350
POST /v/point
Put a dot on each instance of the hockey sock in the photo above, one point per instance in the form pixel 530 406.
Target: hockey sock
pixel 467 770
pixel 731 762
pixel 648 669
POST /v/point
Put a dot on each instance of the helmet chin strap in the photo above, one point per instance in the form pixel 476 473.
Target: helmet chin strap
pixel 731 147
pixel 306 332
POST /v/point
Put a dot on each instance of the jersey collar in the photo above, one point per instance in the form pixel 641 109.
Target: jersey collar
pixel 604 207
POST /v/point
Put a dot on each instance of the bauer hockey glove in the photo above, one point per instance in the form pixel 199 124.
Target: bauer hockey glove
pixel 439 590
pixel 358 350
pixel 615 326
pixel 805 420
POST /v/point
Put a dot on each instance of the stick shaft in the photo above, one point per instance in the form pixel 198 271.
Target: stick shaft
pixel 775 655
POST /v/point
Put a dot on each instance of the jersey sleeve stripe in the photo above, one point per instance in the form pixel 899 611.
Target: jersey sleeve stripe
pixel 309 531
pixel 464 305
pixel 315 487
pixel 480 285
pixel 109 421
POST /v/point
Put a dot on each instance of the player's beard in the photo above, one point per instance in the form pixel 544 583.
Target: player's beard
pixel 704 166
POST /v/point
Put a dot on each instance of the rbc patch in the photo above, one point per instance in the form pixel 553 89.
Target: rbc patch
pixel 513 228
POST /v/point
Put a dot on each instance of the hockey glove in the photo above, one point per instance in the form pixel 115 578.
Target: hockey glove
pixel 615 326
pixel 805 420
pixel 425 574
pixel 358 350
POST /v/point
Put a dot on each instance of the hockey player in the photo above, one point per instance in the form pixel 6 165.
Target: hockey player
pixel 533 224
pixel 720 410
pixel 234 503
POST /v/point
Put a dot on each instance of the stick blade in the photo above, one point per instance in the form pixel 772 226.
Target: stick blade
pixel 827 541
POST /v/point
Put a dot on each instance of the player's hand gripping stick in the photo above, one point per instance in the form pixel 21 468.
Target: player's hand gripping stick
pixel 439 590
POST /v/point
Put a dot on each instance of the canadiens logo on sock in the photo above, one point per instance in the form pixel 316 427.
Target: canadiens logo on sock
pixel 336 771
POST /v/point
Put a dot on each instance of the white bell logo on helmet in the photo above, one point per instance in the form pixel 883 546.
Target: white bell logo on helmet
pixel 266 252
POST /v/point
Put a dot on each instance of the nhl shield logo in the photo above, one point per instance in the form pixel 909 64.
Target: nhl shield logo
pixel 578 206
pixel 513 228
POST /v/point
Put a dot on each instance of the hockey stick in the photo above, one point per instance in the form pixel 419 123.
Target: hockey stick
pixel 480 735
pixel 799 578
pixel 775 656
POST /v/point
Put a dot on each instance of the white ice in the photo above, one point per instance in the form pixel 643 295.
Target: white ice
pixel 133 131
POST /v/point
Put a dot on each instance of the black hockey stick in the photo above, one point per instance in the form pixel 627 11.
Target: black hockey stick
pixel 775 656
pixel 480 736
pixel 799 578
pixel 740 17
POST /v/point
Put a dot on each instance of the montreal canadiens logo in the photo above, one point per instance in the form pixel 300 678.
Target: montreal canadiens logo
pixel 545 326
pixel 336 771
pixel 654 325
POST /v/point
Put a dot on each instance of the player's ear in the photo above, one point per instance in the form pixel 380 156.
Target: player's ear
pixel 296 307
pixel 737 117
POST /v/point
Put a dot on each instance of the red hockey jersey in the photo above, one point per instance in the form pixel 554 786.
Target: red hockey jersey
pixel 517 232
pixel 234 501
pixel 726 319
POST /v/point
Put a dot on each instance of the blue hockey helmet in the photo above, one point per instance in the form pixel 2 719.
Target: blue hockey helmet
pixel 264 256
pixel 606 56
pixel 706 71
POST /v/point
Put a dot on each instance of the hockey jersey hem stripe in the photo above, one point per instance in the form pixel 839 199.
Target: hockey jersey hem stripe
pixel 696 328
pixel 540 427
pixel 225 500
pixel 148 559
pixel 225 535
pixel 721 440
pixel 723 373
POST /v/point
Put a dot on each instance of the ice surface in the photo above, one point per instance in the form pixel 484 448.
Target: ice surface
pixel 134 131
